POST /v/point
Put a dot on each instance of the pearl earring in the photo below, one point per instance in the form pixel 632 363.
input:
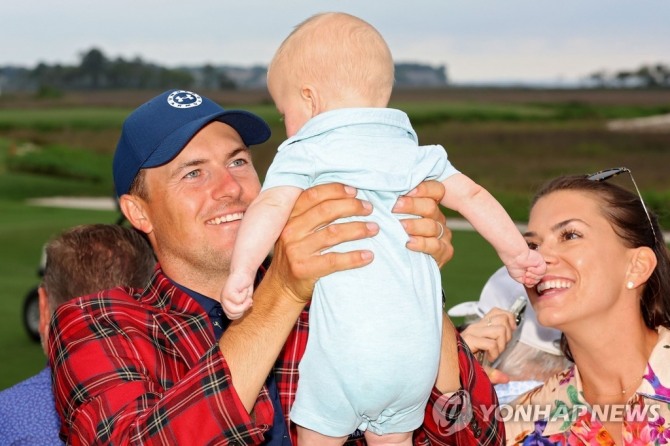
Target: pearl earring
pixel 630 285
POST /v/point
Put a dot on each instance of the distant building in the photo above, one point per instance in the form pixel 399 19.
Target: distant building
pixel 406 75
pixel 418 75
pixel 246 78
pixel 15 79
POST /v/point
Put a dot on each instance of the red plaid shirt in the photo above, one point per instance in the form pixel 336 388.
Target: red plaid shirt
pixel 143 367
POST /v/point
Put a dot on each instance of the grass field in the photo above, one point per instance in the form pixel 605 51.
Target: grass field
pixel 510 141
pixel 23 230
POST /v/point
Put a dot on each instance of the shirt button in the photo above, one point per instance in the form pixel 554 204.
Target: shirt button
pixel 475 428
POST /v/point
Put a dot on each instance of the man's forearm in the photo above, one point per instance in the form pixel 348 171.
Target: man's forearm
pixel 448 379
pixel 252 344
pixel 462 409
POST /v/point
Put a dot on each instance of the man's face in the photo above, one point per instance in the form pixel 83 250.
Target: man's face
pixel 196 201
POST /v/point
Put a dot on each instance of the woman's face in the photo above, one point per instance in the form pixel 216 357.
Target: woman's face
pixel 587 262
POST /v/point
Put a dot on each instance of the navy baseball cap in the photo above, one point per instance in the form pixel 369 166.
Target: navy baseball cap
pixel 160 128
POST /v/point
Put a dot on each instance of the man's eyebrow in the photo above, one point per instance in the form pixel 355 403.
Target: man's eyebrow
pixel 238 150
pixel 558 226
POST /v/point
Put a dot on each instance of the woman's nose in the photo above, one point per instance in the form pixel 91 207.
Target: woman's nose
pixel 547 252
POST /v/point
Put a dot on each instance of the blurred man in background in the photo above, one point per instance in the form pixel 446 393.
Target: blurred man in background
pixel 80 261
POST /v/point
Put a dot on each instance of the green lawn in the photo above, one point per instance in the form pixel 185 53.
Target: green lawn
pixel 23 231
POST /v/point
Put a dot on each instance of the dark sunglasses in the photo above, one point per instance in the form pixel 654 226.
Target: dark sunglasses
pixel 604 175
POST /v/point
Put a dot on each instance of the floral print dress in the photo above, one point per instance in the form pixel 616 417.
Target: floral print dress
pixel 557 414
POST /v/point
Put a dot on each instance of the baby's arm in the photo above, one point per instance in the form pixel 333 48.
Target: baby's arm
pixel 491 220
pixel 260 228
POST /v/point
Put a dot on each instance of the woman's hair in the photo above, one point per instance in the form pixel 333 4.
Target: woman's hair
pixel 625 212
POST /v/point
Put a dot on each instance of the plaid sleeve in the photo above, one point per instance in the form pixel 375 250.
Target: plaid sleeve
pixel 466 417
pixel 118 378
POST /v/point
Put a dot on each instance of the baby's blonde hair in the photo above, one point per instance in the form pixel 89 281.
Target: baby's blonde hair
pixel 344 56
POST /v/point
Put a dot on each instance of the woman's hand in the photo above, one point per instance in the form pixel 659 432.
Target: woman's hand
pixel 490 334
pixel 429 234
pixel 298 261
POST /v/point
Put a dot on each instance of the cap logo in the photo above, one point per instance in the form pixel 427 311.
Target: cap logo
pixel 184 99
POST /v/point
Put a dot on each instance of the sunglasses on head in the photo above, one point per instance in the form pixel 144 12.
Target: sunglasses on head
pixel 606 174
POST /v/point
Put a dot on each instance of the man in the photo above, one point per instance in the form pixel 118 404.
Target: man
pixel 165 366
pixel 80 261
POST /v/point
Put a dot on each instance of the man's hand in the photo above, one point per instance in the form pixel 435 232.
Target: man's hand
pixel 429 234
pixel 298 257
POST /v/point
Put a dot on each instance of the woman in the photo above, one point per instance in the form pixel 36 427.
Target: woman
pixel 607 288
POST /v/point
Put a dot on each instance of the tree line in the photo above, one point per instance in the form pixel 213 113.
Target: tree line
pixel 646 76
pixel 97 71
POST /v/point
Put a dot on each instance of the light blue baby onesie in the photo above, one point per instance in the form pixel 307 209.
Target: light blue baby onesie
pixel 374 342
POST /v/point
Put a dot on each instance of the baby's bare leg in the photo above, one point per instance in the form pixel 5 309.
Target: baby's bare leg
pixel 395 439
pixel 308 437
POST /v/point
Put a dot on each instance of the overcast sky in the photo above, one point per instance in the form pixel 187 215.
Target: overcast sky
pixel 478 40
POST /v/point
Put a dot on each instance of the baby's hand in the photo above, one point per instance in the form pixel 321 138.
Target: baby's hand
pixel 536 269
pixel 236 295
pixel 528 268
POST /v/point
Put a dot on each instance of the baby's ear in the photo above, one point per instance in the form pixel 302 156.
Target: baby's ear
pixel 311 99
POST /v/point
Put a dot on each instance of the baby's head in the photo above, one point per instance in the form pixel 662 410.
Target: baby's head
pixel 330 61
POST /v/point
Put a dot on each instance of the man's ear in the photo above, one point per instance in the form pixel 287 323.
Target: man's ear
pixel 643 262
pixel 135 211
pixel 311 98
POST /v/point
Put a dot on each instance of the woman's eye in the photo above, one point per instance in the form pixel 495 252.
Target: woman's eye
pixel 570 235
pixel 192 174
pixel 533 246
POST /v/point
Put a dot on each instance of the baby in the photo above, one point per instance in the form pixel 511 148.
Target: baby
pixel 374 343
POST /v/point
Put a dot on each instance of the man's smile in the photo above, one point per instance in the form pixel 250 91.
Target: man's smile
pixel 226 218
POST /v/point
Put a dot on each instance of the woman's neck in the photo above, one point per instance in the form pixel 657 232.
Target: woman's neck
pixel 611 365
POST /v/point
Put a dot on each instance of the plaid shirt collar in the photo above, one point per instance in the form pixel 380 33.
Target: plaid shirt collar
pixel 212 307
